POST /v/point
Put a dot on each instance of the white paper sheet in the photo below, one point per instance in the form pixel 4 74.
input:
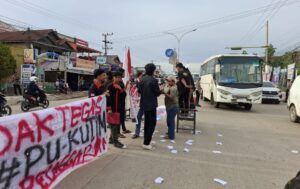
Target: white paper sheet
pixel 217 152
pixel 220 181
pixel 159 180
pixel 170 147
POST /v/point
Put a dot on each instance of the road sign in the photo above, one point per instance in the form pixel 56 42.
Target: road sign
pixel 100 60
pixel 169 53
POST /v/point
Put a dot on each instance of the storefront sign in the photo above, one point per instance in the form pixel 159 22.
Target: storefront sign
pixel 82 63
pixel 26 72
pixel 100 60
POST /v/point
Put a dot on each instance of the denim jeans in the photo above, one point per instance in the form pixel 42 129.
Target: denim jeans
pixel 171 114
pixel 139 121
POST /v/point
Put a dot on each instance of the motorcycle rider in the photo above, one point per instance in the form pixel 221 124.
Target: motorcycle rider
pixel 34 90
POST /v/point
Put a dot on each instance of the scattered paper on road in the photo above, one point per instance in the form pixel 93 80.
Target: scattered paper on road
pixel 198 132
pixel 186 150
pixel 219 143
pixel 170 147
pixel 217 152
pixel 295 151
pixel 173 141
pixel 189 143
pixel 162 136
pixel 174 151
pixel 163 140
pixel 220 181
pixel 220 135
pixel 159 180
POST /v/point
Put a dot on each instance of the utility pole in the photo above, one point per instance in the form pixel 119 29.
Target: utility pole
pixel 267 42
pixel 106 42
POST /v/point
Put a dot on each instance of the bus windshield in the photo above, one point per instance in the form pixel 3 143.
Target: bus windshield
pixel 240 70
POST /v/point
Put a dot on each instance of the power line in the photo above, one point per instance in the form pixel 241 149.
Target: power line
pixel 52 14
pixel 207 23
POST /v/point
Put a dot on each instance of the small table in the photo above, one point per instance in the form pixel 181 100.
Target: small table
pixel 187 115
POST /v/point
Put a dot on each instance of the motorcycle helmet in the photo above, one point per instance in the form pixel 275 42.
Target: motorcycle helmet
pixel 33 78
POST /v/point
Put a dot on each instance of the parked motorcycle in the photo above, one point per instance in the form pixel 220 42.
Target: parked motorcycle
pixel 30 102
pixel 5 109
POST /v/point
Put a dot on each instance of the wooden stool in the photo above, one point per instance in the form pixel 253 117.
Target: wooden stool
pixel 187 115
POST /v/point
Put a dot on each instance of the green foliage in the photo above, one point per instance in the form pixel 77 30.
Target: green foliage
pixel 7 62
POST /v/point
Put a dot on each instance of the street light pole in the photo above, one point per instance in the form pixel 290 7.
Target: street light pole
pixel 179 38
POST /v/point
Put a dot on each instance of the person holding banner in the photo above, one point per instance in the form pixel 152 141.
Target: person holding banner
pixel 114 108
pixel 149 90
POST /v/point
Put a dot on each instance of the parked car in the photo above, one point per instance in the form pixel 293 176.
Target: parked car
pixel 270 93
pixel 294 100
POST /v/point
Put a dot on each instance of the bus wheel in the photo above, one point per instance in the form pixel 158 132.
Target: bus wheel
pixel 212 101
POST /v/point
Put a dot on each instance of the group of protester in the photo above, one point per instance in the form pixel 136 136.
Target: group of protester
pixel 177 92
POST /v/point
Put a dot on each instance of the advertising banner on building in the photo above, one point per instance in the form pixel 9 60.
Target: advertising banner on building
pixel 291 71
pixel 40 148
pixel 28 56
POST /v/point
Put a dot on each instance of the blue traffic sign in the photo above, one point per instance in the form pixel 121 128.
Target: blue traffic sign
pixel 169 53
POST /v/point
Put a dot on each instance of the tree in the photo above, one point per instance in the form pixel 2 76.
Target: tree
pixel 271 52
pixel 7 62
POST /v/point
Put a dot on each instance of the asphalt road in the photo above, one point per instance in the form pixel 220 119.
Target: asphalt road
pixel 256 153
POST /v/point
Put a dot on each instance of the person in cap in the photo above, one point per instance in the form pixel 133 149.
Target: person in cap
pixel 149 90
pixel 114 106
pixel 171 102
pixel 98 87
pixel 185 86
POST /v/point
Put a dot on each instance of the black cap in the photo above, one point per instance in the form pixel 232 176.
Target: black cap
pixel 120 70
pixel 116 74
pixel 98 72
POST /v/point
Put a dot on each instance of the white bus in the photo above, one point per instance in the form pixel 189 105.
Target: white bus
pixel 232 79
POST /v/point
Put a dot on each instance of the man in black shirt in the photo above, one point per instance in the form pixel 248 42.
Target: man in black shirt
pixel 185 86
pixel 98 88
pixel 149 90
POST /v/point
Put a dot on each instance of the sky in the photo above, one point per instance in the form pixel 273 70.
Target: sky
pixel 142 25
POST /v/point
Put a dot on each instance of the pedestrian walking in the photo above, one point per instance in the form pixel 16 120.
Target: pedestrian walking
pixel 140 112
pixel 16 84
pixel 185 86
pixel 114 108
pixel 198 92
pixel 98 88
pixel 149 90
pixel 171 102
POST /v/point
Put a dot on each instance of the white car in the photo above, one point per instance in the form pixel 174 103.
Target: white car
pixel 294 100
pixel 270 93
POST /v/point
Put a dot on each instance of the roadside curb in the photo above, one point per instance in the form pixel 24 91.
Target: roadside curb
pixel 14 100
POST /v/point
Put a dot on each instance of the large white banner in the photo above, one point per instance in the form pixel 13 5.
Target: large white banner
pixel 39 149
